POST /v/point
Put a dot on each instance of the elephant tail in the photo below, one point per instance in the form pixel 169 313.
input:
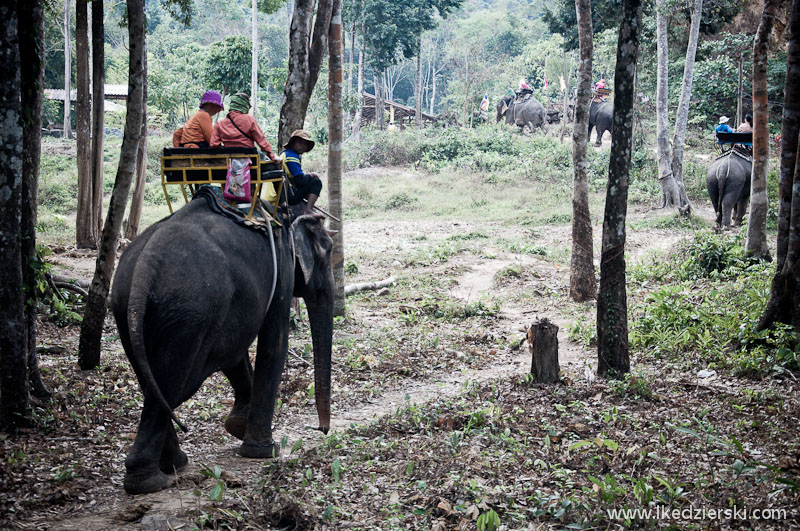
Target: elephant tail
pixel 137 303
pixel 721 180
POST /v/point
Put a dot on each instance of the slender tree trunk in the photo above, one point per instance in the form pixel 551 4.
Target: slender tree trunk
pixel 94 315
pixel 670 194
pixel 582 286
pixel 14 394
pixel 612 305
pixel 335 140
pixel 379 103
pixel 682 114
pixel 739 92
pixel 305 62
pixel 85 236
pixel 433 88
pixel 567 81
pixel 756 243
pixel 360 96
pixel 31 50
pixel 418 115
pixel 67 71
pixel 254 59
pixel 784 301
pixel 140 177
pixel 98 112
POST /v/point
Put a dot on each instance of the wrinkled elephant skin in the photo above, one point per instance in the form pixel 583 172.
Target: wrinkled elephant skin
pixel 529 113
pixel 601 116
pixel 728 184
pixel 190 296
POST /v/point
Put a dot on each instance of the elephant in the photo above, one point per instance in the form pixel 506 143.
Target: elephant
pixel 190 295
pixel 728 184
pixel 527 113
pixel 601 116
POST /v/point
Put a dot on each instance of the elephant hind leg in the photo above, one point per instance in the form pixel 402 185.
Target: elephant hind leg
pixel 142 471
pixel 241 377
pixel 739 209
pixel 172 459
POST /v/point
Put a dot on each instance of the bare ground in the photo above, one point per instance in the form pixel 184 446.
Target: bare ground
pixel 67 474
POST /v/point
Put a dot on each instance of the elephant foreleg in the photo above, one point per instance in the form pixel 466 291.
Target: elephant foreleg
pixel 241 378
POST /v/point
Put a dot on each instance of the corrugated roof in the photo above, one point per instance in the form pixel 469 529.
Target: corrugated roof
pixel 113 92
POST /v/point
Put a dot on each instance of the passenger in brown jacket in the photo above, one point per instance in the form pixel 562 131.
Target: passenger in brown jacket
pixel 197 131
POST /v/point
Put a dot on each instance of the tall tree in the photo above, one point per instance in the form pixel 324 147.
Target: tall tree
pixel 67 71
pixel 85 227
pixel 418 86
pixel 756 244
pixel 306 52
pixel 784 300
pixel 31 51
pixel 14 394
pixel 98 112
pixel 682 114
pixel 335 140
pixel 254 62
pixel 582 284
pixel 612 305
pixel 670 194
pixel 131 225
pixel 94 315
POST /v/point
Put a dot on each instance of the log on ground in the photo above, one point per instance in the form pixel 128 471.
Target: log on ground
pixel 543 346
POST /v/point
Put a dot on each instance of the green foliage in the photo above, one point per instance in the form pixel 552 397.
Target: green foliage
pixel 563 19
pixel 228 65
pixel 219 486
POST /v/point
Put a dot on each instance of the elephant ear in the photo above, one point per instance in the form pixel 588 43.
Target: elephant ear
pixel 303 247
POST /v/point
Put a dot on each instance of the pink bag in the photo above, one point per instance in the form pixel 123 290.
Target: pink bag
pixel 237 182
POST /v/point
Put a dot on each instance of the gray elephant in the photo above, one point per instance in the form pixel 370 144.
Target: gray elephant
pixel 728 184
pixel 528 113
pixel 190 295
pixel 601 116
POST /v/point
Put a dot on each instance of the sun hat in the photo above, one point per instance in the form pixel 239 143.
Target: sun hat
pixel 299 133
pixel 212 96
pixel 240 102
pixel 723 119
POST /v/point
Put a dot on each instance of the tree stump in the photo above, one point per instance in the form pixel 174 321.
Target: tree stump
pixel 543 345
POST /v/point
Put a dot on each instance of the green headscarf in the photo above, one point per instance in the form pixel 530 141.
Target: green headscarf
pixel 240 102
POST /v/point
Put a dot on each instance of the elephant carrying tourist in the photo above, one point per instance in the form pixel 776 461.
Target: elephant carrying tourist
pixel 601 117
pixel 189 297
pixel 527 113
pixel 728 184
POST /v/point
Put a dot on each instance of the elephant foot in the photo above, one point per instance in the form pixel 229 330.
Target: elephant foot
pixel 263 451
pixel 145 481
pixel 174 462
pixel 236 426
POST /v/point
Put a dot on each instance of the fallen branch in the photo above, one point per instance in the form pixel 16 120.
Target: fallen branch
pixel 364 286
pixel 71 287
pixel 78 282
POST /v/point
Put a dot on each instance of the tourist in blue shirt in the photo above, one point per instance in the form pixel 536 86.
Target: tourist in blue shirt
pixel 303 185
pixel 723 127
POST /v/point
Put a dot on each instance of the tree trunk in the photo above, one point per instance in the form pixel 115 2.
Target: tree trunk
pixel 94 315
pixel 682 114
pixel 360 96
pixel 418 115
pixel 670 195
pixel 433 88
pixel 543 345
pixel 784 301
pixel 14 394
pixel 254 60
pixel 335 139
pixel 98 112
pixel 739 92
pixel 305 62
pixel 612 306
pixel 379 103
pixel 582 286
pixel 85 236
pixel 31 46
pixel 67 71
pixel 756 244
pixel 140 177
pixel 567 80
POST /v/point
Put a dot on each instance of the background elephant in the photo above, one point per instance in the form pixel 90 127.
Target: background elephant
pixel 600 117
pixel 190 295
pixel 728 184
pixel 529 113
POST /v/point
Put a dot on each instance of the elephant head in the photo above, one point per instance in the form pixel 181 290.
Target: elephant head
pixel 502 107
pixel 314 283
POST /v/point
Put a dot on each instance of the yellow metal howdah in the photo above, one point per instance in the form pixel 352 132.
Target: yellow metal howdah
pixel 192 168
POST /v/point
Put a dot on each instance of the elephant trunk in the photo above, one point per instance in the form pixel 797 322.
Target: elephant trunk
pixel 320 317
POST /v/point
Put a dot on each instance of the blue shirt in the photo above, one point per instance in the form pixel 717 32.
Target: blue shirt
pixel 293 162
pixel 723 128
